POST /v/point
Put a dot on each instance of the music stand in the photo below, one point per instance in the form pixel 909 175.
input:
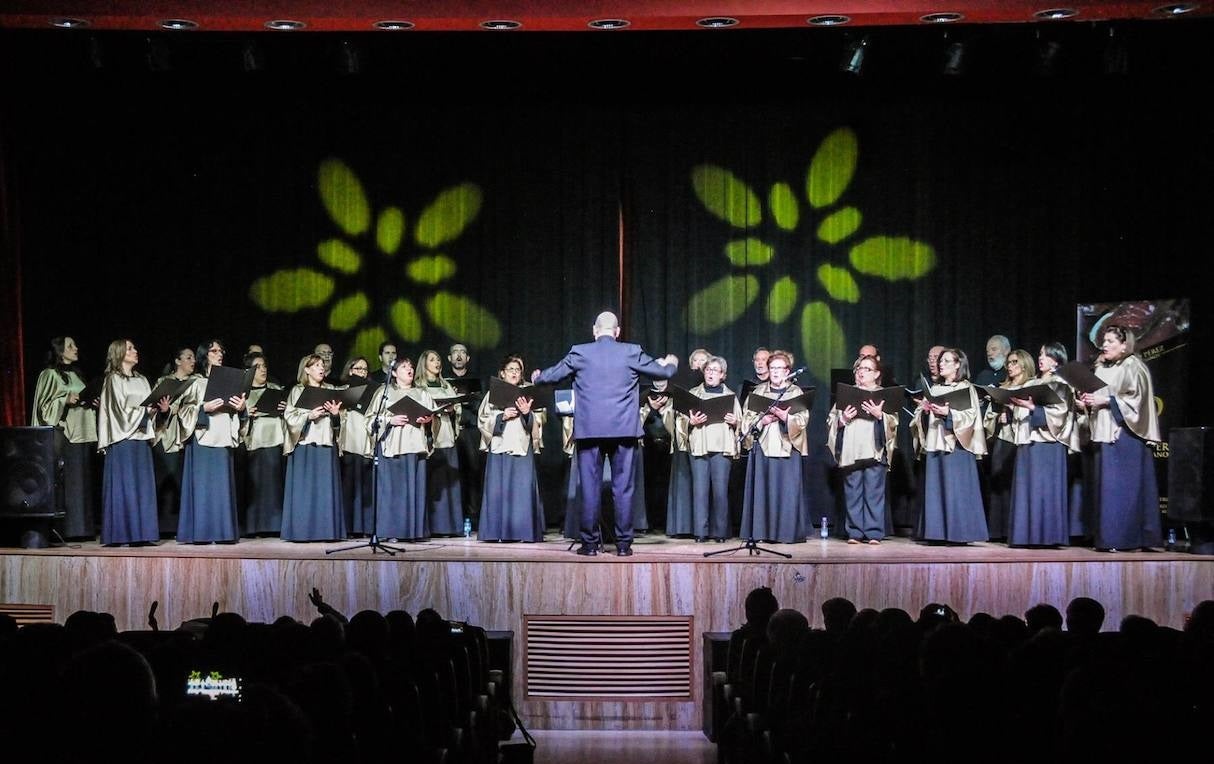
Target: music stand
pixel 373 540
pixel 750 545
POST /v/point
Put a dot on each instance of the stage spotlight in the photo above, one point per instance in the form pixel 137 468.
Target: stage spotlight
pixel 954 59
pixel 1116 55
pixel 252 57
pixel 349 58
pixel 158 56
pixel 853 56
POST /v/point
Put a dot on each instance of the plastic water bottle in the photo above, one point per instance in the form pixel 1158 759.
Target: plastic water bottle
pixel 467 527
pixel 1171 539
pixel 824 531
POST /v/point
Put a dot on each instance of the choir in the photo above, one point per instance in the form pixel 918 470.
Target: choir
pixel 332 458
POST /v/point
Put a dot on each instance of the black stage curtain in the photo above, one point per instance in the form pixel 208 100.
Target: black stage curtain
pixel 296 207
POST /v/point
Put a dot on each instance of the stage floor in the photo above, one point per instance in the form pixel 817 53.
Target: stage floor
pixel 497 585
pixel 647 548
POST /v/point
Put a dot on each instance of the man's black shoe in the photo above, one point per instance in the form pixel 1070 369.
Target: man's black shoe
pixel 587 551
pixel 624 551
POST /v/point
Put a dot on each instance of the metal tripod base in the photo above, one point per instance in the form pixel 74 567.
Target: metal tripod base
pixel 752 548
pixel 374 544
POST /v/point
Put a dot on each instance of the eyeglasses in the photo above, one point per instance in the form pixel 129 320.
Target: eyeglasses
pixel 517 369
pixel 358 368
pixel 777 368
pixel 865 369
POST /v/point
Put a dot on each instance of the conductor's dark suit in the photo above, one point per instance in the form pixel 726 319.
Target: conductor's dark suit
pixel 606 423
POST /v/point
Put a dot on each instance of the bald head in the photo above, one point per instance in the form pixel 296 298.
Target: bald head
pixel 606 324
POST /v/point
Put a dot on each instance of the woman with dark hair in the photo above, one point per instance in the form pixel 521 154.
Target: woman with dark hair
pixel 354 446
pixel 1044 435
pixel 775 506
pixel 400 482
pixel 57 404
pixel 511 509
pixel 863 442
pixel 444 500
pixel 1123 424
pixel 166 452
pixel 125 429
pixel 311 505
pixel 208 431
pixel 1001 440
pixel 263 438
pixel 952 440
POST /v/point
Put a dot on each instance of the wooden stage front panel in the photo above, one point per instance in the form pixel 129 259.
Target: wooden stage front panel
pixel 495 585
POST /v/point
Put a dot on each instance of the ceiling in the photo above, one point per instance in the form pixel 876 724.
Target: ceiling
pixel 561 15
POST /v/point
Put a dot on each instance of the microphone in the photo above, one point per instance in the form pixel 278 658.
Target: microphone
pixel 392 368
pixel 796 373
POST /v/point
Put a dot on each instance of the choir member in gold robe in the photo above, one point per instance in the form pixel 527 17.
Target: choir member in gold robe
pixel 354 447
pixel 400 481
pixel 951 439
pixel 863 442
pixel 444 500
pixel 263 436
pixel 125 430
pixel 711 449
pixel 167 455
pixel 311 509
pixel 209 431
pixel 1002 445
pixel 511 509
pixel 775 506
pixel 1045 435
pixel 57 404
pixel 1124 425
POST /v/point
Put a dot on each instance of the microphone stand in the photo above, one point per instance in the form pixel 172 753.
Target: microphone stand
pixel 373 541
pixel 750 545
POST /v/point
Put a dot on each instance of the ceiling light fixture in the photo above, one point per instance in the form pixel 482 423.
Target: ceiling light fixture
pixel 947 17
pixel 609 23
pixel 501 24
pixel 178 25
pixel 285 25
pixel 1172 10
pixel 66 23
pixel 717 22
pixel 827 20
pixel 1056 14
pixel 393 25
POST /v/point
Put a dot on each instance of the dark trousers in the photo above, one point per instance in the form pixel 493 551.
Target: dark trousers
pixel 590 455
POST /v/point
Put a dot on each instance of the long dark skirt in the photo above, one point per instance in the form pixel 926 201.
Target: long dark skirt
pixel 774 505
pixel 999 497
pixel 444 495
pixel 264 475
pixel 710 495
pixel 952 498
pixel 356 493
pixel 168 487
pixel 1126 511
pixel 311 506
pixel 77 486
pixel 640 510
pixel 1039 496
pixel 401 497
pixel 511 509
pixel 128 494
pixel 679 512
pixel 1079 478
pixel 208 496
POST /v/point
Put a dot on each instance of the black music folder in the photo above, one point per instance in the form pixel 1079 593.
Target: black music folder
pixel 169 386
pixel 850 395
pixel 795 405
pixel 715 408
pixel 1082 378
pixel 502 394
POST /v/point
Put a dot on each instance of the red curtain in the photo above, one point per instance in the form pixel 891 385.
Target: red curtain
pixel 12 360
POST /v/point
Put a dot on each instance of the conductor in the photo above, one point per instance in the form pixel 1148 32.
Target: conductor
pixel 607 422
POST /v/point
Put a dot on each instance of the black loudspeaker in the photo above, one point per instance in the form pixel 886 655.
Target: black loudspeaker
pixel 1191 474
pixel 27 472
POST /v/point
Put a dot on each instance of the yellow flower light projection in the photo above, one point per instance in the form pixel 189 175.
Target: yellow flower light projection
pixel 362 234
pixel 729 198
